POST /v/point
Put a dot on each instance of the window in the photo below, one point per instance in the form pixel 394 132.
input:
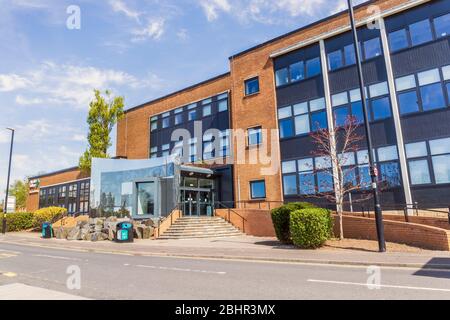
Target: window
pixel 282 77
pixel 432 97
pixel 42 198
pixel 153 152
pixel 290 185
pixel 166 150
pixel 207 111
pixel 72 199
pixel 335 60
pixel 319 121
pixel 153 123
pixel 84 197
pixel 420 32
pixel 166 120
pixel 446 72
pixel 408 102
pixel 440 152
pixel 398 40
pixel 254 136
pixel 381 109
pixel 389 167
pixel 349 55
pixel 405 83
pixel 223 105
pixel 306 177
pixel 286 128
pixel 341 116
pixel 313 67
pixel 297 71
pixel 192 115
pixel 258 189
pixel 178 116
pixel 372 48
pixel 252 86
pixel 62 196
pixel 419 171
pixel 442 26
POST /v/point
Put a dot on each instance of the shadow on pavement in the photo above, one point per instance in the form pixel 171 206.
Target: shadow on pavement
pixel 442 266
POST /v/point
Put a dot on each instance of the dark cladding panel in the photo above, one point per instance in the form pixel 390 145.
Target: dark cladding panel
pixel 296 148
pixel 306 90
pixel 224 190
pixel 431 197
pixel 426 126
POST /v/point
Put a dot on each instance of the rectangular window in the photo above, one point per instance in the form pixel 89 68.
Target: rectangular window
pixel 335 60
pixel 289 167
pixel 153 152
pixel 378 89
pixel 223 106
pixel 442 26
pixel 166 150
pixel 290 185
pixel 319 121
pixel 420 32
pixel 317 104
pixel 339 99
pixel 432 97
pixel 419 171
pixel 207 111
pixel 297 71
pixel 446 72
pixel 441 166
pixel 416 150
pixel 286 128
pixel 258 189
pixel 166 122
pixel 254 136
pixel 429 77
pixel 405 83
pixel 341 116
pixel 390 174
pixel 307 183
pixel 192 115
pixel 178 119
pixel 408 102
pixel 302 124
pixel 285 112
pixel 440 146
pixel 252 86
pixel 387 153
pixel 357 112
pixel 372 48
pixel 381 108
pixel 398 40
pixel 282 77
pixel 313 67
pixel 153 124
pixel 349 55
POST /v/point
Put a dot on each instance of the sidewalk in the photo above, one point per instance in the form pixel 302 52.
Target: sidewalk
pixel 243 248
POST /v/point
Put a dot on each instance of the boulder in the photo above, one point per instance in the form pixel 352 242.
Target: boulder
pixel 149 223
pixel 99 236
pixel 111 235
pixel 147 232
pixel 61 232
pixel 138 231
pixel 74 234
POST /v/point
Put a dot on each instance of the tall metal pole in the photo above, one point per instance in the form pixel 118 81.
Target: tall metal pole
pixel 373 169
pixel 7 183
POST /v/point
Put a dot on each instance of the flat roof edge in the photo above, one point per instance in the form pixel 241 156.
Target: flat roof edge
pixel 54 173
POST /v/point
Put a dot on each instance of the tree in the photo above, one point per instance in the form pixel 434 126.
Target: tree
pixel 20 190
pixel 104 113
pixel 338 170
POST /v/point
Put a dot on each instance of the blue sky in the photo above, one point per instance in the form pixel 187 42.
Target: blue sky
pixel 140 49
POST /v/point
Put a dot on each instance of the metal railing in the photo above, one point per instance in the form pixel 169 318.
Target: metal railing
pixel 231 210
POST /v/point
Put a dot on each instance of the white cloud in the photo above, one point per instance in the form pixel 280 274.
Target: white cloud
pixel 183 34
pixel 121 7
pixel 79 137
pixel 24 101
pixel 12 82
pixel 213 7
pixel 154 30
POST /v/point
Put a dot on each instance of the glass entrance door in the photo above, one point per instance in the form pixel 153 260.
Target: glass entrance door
pixel 190 203
pixel 205 204
pixel 197 203
pixel 146 198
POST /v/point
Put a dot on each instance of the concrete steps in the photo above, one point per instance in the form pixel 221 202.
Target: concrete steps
pixel 200 227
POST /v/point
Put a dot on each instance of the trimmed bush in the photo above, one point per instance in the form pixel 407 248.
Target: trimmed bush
pixel 311 228
pixel 19 221
pixel 51 214
pixel 281 219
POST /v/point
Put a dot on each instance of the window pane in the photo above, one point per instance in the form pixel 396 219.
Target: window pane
pixel 365 181
pixel 166 122
pixel 282 77
pixel 442 26
pixel 349 54
pixel 390 174
pixel 319 121
pixel 178 119
pixel 289 167
pixel 428 77
pixel 432 97
pixel 307 183
pixel 254 136
pixel 448 91
pixel 284 113
pixel 381 109
pixel 258 189
pixel 154 126
pixel 405 83
pixel 325 181
pixel 305 165
pixel 207 101
pixel 316 105
pixel 301 108
pixel 420 32
pixel 286 128
pixel 378 89
pixel 302 124
pixel 416 150
pixel 341 116
pixel 441 166
pixel 223 105
pixel 355 95
pixel 349 177
pixel 387 153
pixel 192 106
pixel 408 102
pixel 313 67
pixel 252 86
pixel 335 60
pixel 347 159
pixel 192 115
pixel 398 40
pixel 440 146
pixel 363 156
pixel 357 112
pixel 420 174
pixel 372 48
pixel 323 163
pixel 339 99
pixel 290 185
pixel 297 71
pixel 446 72
pixel 206 111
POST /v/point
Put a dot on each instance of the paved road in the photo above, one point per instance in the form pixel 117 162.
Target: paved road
pixel 109 276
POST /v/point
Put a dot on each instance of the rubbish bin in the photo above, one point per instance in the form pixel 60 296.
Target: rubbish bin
pixel 47 230
pixel 124 232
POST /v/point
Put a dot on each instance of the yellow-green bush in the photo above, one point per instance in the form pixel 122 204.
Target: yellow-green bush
pixel 19 221
pixel 311 228
pixel 51 214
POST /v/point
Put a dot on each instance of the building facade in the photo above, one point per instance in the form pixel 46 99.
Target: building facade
pixel 304 81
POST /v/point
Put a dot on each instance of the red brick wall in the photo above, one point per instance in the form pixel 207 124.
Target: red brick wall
pixel 258 222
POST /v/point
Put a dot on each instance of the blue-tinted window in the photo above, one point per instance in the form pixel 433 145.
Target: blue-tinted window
pixel 349 54
pixel 365 180
pixel 341 116
pixel 178 119
pixel 192 115
pixel 307 184
pixel 357 111
pixel 335 60
pixel 432 97
pixel 419 171
pixel 319 121
pixel 372 48
pixel 381 109
pixel 398 40
pixel 297 71
pixel 420 32
pixel 286 128
pixel 448 91
pixel 254 136
pixel 442 26
pixel 313 67
pixel 258 189
pixel 165 123
pixel 390 174
pixel 408 102
pixel 324 181
pixel 252 86
pixel 290 185
pixel 282 77
pixel 350 177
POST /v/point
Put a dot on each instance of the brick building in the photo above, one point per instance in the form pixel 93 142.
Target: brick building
pixel 296 84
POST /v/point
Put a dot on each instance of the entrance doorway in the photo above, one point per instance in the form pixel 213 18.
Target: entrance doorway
pixel 197 202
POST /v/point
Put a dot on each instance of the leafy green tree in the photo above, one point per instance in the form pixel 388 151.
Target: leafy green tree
pixel 104 112
pixel 19 189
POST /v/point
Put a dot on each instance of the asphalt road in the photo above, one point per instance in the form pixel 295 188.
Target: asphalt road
pixel 109 276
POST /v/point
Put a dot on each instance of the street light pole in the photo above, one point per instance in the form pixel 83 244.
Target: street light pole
pixel 7 183
pixel 373 169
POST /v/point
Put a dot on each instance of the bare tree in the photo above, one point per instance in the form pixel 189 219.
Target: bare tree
pixel 337 148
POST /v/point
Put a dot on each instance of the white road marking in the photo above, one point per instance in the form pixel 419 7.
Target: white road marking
pixel 181 270
pixel 56 257
pixel 7 255
pixel 381 285
pixel 9 274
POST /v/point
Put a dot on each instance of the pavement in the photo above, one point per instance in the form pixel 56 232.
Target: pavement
pixel 243 248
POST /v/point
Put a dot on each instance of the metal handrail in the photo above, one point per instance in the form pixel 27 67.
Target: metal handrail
pixel 229 214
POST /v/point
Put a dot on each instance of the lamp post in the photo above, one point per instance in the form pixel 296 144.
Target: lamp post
pixel 373 169
pixel 7 181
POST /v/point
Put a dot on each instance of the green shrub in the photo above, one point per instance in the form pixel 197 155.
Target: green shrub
pixel 51 214
pixel 281 219
pixel 19 221
pixel 311 228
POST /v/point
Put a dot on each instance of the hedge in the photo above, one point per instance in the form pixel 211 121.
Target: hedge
pixel 19 221
pixel 281 219
pixel 311 228
pixel 51 214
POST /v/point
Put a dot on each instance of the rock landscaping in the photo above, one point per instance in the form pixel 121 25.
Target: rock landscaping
pixel 102 229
